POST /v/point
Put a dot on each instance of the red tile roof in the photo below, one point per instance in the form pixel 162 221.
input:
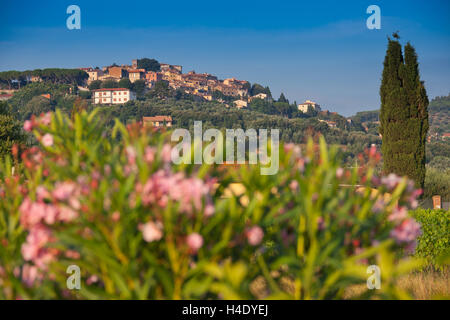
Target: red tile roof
pixel 157 118
pixel 111 89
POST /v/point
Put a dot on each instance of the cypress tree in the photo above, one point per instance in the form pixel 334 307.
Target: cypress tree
pixel 404 115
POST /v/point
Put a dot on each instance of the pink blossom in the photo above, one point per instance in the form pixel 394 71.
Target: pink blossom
pixel 194 241
pixel 72 254
pixel 131 154
pixel 398 214
pixel 115 216
pixel 378 206
pixel 64 190
pixel 209 210
pixel 28 125
pixel 67 214
pixel 42 193
pixel 31 213
pixel 339 173
pixel 29 274
pixel 391 181
pixel 255 235
pixel 92 279
pixel 296 151
pixel 164 186
pixel 34 249
pixel 149 154
pixel 166 153
pixel 152 232
pixel 46 119
pixel 407 233
pixel 47 140
pixel 293 185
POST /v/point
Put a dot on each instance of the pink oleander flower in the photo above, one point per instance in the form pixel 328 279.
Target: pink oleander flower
pixel 34 249
pixel 391 181
pixel 407 233
pixel 398 214
pixel 339 173
pixel 149 154
pixel 30 274
pixel 67 214
pixel 163 186
pixel 28 125
pixel 92 279
pixel 166 153
pixel 152 232
pixel 64 190
pixel 255 235
pixel 131 155
pixel 42 193
pixel 47 140
pixel 296 151
pixel 293 185
pixel 378 206
pixel 72 254
pixel 372 151
pixel 46 119
pixel 209 210
pixel 115 216
pixel 194 242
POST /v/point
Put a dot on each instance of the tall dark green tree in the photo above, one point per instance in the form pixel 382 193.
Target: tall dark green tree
pixel 404 114
pixel 283 98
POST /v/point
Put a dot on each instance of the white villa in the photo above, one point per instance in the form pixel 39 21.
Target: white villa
pixel 303 107
pixel 113 96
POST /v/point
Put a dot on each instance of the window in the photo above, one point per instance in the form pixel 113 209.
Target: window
pixel 114 99
pixel 114 93
pixel 125 99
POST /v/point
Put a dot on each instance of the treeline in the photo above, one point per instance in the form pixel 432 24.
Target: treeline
pixel 16 79
pixel 214 114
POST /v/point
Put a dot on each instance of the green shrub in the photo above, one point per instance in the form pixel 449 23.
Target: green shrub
pixel 434 243
pixel 141 227
pixel 437 182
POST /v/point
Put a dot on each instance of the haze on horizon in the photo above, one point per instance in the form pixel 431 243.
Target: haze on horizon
pixel 316 50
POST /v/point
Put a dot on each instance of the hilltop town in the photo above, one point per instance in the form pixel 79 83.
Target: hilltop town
pixel 204 85
pixel 199 84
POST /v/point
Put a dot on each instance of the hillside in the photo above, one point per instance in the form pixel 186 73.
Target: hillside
pixel 439 112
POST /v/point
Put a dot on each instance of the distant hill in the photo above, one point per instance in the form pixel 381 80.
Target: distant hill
pixel 366 116
pixel 439 112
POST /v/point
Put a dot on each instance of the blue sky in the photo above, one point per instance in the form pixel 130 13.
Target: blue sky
pixel 319 50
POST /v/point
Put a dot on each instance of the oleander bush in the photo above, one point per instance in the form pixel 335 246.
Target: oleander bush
pixel 434 242
pixel 140 227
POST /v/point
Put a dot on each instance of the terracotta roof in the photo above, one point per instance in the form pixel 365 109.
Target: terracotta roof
pixel 157 118
pixel 6 95
pixel 111 89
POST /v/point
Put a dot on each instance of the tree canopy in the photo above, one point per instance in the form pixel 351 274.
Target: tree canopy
pixel 404 114
pixel 148 64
